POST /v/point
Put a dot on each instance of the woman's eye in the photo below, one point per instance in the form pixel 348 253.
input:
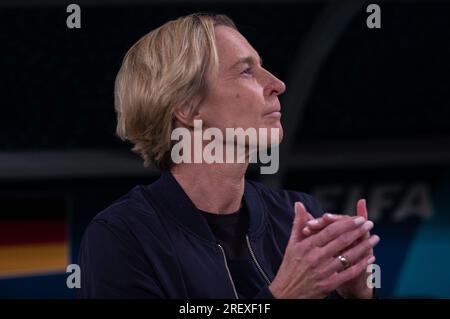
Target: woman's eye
pixel 247 71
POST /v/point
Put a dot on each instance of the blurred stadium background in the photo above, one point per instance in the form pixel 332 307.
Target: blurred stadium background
pixel 366 114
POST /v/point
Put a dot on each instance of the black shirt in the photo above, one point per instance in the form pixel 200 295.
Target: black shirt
pixel 230 231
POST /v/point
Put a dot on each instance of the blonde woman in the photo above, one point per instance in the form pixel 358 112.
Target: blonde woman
pixel 202 230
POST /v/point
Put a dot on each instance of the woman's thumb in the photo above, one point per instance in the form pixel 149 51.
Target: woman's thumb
pixel 300 220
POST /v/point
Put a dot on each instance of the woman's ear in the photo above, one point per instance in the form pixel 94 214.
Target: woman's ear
pixel 184 114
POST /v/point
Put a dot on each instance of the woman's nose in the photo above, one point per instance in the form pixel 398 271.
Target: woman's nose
pixel 280 86
pixel 275 85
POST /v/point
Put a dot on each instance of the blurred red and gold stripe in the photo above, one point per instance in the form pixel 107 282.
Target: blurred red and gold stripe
pixel 29 247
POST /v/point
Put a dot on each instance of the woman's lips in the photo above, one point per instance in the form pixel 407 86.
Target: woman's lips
pixel 275 114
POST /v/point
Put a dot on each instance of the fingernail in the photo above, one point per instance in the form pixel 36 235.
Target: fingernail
pixel 313 222
pixel 295 208
pixel 374 240
pixel 306 231
pixel 371 260
pixel 368 225
pixel 302 206
pixel 332 216
pixel 359 220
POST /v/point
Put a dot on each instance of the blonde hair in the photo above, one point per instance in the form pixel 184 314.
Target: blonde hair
pixel 165 68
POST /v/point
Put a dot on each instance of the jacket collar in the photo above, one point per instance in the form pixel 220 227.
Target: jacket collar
pixel 171 199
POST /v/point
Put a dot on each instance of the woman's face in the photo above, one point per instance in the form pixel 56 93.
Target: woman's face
pixel 242 94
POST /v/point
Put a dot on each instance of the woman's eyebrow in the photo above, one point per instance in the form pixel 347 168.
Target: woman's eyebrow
pixel 246 60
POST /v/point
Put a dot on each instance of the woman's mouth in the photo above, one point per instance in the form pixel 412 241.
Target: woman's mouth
pixel 274 114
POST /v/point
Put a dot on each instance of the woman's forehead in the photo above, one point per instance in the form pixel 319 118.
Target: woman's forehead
pixel 233 48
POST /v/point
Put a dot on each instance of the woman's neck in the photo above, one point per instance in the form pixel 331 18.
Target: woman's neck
pixel 214 188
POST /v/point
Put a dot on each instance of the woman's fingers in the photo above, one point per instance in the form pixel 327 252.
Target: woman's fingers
pixel 354 270
pixel 361 209
pixel 335 230
pixel 353 255
pixel 315 225
pixel 344 242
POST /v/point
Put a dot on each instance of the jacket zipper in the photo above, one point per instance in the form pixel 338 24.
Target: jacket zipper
pixel 266 278
pixel 228 271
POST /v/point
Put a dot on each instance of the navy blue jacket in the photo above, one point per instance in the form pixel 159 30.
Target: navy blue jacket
pixel 153 243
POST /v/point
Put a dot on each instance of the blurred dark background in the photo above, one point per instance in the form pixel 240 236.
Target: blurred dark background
pixel 366 114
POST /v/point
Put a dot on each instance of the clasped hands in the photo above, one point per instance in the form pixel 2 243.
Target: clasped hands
pixel 330 253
